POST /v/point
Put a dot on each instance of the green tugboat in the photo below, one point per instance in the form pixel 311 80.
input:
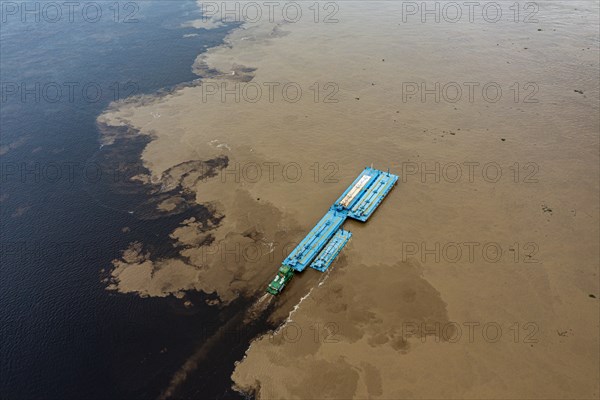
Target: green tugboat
pixel 284 275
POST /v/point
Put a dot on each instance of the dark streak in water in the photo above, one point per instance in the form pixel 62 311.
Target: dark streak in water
pixel 206 371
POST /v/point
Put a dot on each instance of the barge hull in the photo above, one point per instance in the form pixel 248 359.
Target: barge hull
pixel 316 239
pixel 330 252
pixel 374 195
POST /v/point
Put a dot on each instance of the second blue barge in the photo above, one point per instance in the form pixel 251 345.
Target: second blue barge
pixel 325 241
pixel 316 239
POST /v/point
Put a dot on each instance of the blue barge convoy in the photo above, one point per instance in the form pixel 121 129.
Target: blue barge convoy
pixel 325 241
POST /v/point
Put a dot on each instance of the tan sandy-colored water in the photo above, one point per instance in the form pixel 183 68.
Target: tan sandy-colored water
pixel 478 277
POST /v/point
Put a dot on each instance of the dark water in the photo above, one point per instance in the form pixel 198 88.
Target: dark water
pixel 62 335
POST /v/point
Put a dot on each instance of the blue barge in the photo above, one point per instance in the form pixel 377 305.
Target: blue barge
pixel 316 239
pixel 330 252
pixel 326 240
